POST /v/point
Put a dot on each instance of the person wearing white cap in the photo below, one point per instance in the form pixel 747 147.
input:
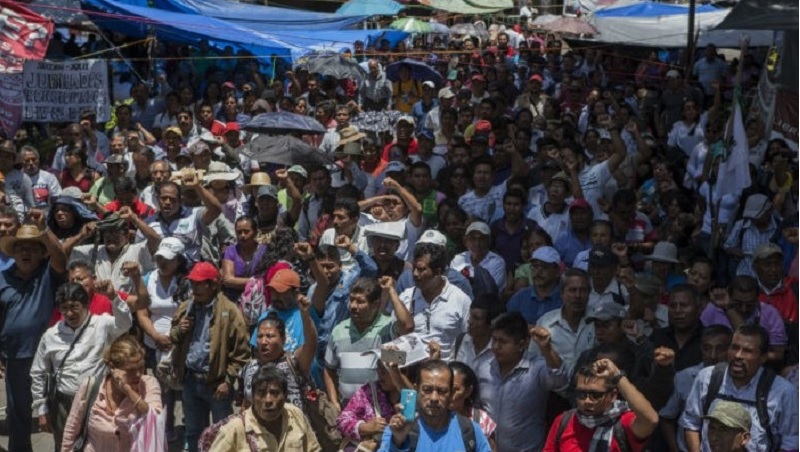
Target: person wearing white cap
pixel 433 119
pixel 384 241
pixel 456 278
pixel 663 262
pixel 440 309
pixel 758 225
pixel 545 294
pixel 478 241
pixel 166 288
pixel 425 104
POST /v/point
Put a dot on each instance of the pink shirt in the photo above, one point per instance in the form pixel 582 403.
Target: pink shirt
pixel 108 432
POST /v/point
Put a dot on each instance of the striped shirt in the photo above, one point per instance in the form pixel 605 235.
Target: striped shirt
pixel 346 353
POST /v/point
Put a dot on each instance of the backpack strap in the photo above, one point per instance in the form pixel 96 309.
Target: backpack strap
pixel 92 388
pixel 562 425
pixel 714 384
pixel 457 346
pixel 618 432
pixel 762 395
pixel 467 433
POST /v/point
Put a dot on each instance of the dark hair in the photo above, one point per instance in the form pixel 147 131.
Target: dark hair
pixel 168 183
pixel 605 223
pixel 437 255
pixel 687 289
pixel 274 321
pixel 490 303
pixel 72 292
pixel 328 253
pixel 368 287
pixel 269 373
pixel 513 324
pixel 10 212
pixel 246 218
pixel 433 365
pixel 185 111
pixel 624 196
pixel 349 205
pixel 716 330
pixel 123 107
pixel 124 185
pixel 422 166
pixel 80 263
pixel 755 330
pixel 483 160
pixel 744 284
pixel 470 380
pixel 573 273
pixel 515 193
pixel 349 192
pixel 281 248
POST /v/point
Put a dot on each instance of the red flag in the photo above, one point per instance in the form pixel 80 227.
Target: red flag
pixel 24 35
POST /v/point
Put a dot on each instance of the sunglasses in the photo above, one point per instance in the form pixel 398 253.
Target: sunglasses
pixel 594 396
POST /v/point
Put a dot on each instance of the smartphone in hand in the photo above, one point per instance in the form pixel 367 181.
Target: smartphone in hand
pixel 408 398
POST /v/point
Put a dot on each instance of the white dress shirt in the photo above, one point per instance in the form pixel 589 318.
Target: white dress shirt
pixel 86 357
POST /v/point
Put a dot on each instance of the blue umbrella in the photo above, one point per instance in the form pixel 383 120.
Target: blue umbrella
pixel 419 71
pixel 282 122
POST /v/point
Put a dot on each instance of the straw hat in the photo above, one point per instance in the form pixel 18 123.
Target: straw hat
pixel 257 179
pixel 349 135
pixel 218 171
pixel 26 232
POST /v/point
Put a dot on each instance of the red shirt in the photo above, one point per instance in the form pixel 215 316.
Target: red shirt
pixel 141 209
pixel 84 184
pixel 784 300
pixel 577 438
pixel 99 304
pixel 411 150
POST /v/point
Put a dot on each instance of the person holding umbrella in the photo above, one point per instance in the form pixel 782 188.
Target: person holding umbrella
pixel 405 91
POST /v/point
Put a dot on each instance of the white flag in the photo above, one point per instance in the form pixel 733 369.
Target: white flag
pixel 734 172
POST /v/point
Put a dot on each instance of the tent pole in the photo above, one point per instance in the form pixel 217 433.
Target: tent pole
pixel 690 47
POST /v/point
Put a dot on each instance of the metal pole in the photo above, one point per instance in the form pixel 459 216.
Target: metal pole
pixel 690 36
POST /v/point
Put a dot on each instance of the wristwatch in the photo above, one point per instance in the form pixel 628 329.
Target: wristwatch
pixel 616 378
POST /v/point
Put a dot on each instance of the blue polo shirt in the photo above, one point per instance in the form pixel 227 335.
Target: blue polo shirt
pixel 527 303
pixel 28 305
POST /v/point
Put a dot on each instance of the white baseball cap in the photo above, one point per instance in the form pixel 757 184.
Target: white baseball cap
pixel 434 237
pixel 170 248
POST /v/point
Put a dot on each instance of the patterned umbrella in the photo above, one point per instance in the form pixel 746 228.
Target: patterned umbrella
pixel 571 25
pixel 411 25
pixel 376 121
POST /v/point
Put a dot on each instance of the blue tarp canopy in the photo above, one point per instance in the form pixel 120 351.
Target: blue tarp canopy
pixel 370 8
pixel 139 22
pixel 257 16
pixel 650 9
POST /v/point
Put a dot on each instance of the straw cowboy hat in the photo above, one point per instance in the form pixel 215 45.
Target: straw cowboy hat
pixel 218 171
pixel 349 135
pixel 257 179
pixel 26 232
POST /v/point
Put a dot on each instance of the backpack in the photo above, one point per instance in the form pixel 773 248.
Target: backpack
pixel 253 300
pixel 617 431
pixel 762 394
pixel 467 433
pixel 212 431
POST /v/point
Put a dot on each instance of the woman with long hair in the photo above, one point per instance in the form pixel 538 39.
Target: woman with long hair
pixel 123 396
pixel 241 260
pixel 466 398
pixel 167 288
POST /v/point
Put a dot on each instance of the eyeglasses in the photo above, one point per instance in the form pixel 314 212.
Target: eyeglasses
pixel 593 396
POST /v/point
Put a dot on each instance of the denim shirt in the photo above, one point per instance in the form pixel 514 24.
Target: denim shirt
pixel 197 358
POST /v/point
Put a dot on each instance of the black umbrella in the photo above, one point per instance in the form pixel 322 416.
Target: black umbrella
pixel 419 71
pixel 335 66
pixel 282 122
pixel 284 150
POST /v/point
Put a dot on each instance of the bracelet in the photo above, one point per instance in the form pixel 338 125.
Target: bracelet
pixel 137 401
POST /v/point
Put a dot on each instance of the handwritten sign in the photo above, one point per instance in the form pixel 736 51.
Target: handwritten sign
pixel 60 91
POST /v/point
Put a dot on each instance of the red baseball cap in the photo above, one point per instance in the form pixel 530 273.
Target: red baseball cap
pixel 536 77
pixel 580 202
pixel 203 271
pixel 232 126
pixel 483 126
pixel 478 78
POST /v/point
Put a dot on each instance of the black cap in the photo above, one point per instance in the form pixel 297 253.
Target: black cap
pixel 602 256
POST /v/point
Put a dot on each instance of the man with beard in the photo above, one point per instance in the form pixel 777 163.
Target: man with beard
pixel 602 420
pixel 745 379
pixel 436 428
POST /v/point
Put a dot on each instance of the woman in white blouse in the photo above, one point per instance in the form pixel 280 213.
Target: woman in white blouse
pixel 688 132
pixel 167 288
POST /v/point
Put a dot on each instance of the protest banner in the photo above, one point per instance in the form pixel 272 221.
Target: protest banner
pixel 24 35
pixel 11 100
pixel 60 91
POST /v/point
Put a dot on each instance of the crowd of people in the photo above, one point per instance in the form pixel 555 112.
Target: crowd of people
pixel 547 221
